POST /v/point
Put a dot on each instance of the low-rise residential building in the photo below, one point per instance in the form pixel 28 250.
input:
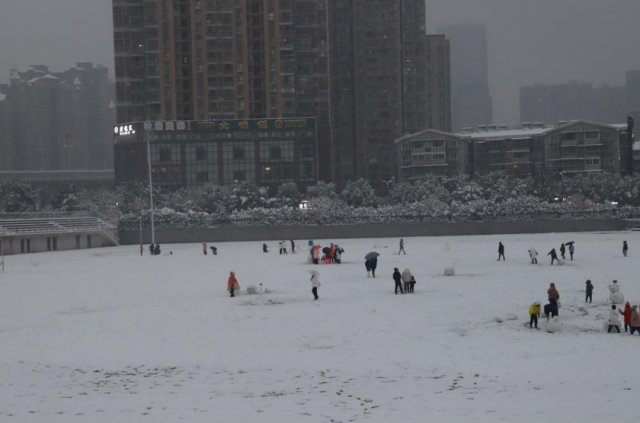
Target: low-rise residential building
pixel 431 152
pixel 567 148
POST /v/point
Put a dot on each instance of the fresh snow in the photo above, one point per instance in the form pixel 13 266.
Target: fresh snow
pixel 105 335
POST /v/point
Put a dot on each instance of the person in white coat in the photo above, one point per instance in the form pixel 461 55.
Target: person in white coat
pixel 614 321
pixel 533 253
pixel 315 284
pixel 406 278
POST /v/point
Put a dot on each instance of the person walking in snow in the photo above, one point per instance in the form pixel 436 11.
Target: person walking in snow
pixel 625 248
pixel 406 279
pixel 500 251
pixel 571 250
pixel 367 265
pixel 412 284
pixel 402 247
pixel 635 320
pixel 214 250
pixel 588 291
pixel 614 322
pixel 627 316
pixel 265 249
pixel 315 283
pixel 562 251
pixel 204 247
pixel 373 262
pixel 533 253
pixel 397 278
pixel 293 247
pixel 554 256
pixel 534 314
pixel 232 284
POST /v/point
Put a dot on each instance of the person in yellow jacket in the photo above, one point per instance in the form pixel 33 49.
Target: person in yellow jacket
pixel 534 313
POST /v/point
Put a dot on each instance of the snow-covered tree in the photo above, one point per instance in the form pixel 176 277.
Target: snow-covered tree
pixel 359 193
pixel 17 197
pixel 322 189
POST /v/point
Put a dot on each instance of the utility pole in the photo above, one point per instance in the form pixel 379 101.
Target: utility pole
pixel 153 229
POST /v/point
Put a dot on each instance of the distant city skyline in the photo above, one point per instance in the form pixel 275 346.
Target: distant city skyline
pixel 546 41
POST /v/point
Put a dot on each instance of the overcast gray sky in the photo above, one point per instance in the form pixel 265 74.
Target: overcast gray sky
pixel 549 41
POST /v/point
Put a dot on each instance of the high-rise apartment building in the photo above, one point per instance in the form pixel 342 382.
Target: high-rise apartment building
pixel 470 98
pixel 58 120
pixel 358 67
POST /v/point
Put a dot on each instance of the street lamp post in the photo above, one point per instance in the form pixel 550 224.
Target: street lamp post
pixel 153 229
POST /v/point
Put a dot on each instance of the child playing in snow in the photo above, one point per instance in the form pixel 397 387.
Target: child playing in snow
pixel 534 314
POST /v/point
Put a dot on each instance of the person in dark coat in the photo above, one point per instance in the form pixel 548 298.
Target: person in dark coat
pixel 550 309
pixel 588 291
pixel 554 255
pixel 367 265
pixel 397 278
pixel 625 248
pixel 373 262
pixel 500 251
pixel 571 250
pixel 214 250
pixel 562 250
pixel 265 249
pixel 293 247
pixel 412 284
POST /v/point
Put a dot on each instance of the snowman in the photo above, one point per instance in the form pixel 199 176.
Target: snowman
pixel 615 296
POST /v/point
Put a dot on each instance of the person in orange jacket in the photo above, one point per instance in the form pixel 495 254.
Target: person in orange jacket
pixel 232 284
pixel 627 316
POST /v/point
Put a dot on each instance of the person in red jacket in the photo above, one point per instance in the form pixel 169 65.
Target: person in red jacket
pixel 232 284
pixel 627 316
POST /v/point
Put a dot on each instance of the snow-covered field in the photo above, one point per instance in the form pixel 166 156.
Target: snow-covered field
pixel 105 335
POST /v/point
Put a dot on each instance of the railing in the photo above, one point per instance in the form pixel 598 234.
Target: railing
pixel 55 223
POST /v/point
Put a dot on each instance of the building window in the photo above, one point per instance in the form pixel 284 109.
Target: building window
pixel 165 155
pixel 238 153
pixel 201 153
pixel 275 153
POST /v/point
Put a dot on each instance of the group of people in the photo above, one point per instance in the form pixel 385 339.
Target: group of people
pixel 550 309
pixel 233 286
pixel 154 249
pixel 214 250
pixel 327 255
pixel 406 278
pixel 564 247
pixel 631 319
pixel 630 313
